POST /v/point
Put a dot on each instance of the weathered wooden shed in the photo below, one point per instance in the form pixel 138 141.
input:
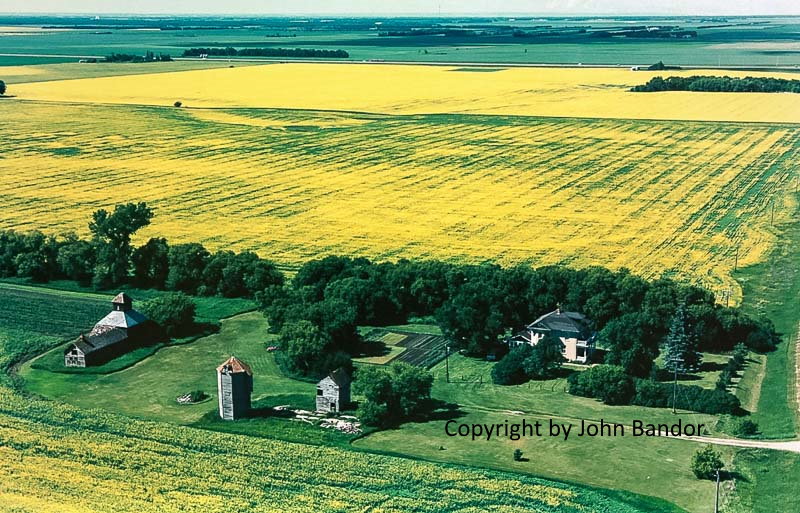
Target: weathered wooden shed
pixel 234 387
pixel 333 391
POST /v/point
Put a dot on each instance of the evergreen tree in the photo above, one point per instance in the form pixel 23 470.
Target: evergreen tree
pixel 681 344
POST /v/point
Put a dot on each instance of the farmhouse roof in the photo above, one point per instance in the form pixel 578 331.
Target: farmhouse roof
pixel 234 365
pixel 340 376
pixel 563 322
pixel 99 338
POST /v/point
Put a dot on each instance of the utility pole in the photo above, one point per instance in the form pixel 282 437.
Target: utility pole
pixel 726 293
pixel 716 498
pixel 447 361
pixel 675 362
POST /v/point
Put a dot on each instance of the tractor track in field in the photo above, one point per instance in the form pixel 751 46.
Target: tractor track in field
pixel 797 369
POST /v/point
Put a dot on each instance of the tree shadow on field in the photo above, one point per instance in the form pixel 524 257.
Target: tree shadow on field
pixel 731 475
pixel 666 375
pixel 440 410
pixel 711 367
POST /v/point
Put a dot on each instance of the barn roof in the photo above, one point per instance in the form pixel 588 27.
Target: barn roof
pixel 121 319
pixel 340 376
pixel 99 338
pixel 564 322
pixel 234 365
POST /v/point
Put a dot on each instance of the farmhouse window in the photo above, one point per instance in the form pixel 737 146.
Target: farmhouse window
pixel 319 391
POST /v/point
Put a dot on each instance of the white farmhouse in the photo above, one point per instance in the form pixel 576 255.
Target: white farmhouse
pixel 572 328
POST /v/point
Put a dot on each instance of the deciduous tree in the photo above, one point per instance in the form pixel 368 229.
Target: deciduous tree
pixel 112 237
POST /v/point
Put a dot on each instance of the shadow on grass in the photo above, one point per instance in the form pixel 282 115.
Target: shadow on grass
pixel 440 410
pixel 665 376
pixel 731 475
pixel 712 367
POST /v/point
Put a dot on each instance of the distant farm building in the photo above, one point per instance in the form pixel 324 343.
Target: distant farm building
pixel 572 328
pixel 333 391
pixel 122 330
pixel 234 387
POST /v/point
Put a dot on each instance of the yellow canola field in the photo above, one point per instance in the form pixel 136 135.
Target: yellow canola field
pixel 674 198
pixel 416 89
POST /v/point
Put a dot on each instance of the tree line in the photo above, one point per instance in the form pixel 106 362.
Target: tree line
pixel 720 85
pixel 109 260
pixel 147 57
pixel 266 52
pixel 317 314
pixel 477 306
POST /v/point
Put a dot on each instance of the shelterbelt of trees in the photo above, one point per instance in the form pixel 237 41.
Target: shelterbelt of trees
pixel 147 57
pixel 266 52
pixel 317 313
pixel 476 305
pixel 720 85
pixel 108 260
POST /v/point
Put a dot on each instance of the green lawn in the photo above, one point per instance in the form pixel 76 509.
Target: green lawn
pixel 149 388
pixel 653 466
pixel 706 377
pixel 768 482
pixel 772 288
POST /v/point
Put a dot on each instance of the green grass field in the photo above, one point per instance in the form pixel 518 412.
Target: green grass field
pixel 171 372
pixel 772 289
pixel 655 467
pixel 245 336
pixel 722 43
pixel 38 71
pixel 55 457
pixel 176 370
pixel 576 460
pixel 765 478
pixel 49 312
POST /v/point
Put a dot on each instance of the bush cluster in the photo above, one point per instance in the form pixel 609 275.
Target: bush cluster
pixel 174 312
pixel 542 361
pixel 392 394
pixel 706 462
pixel 612 385
pixel 734 365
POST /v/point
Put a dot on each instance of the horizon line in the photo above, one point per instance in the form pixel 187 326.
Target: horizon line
pixel 400 14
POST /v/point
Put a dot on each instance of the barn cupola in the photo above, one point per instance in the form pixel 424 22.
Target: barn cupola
pixel 122 303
